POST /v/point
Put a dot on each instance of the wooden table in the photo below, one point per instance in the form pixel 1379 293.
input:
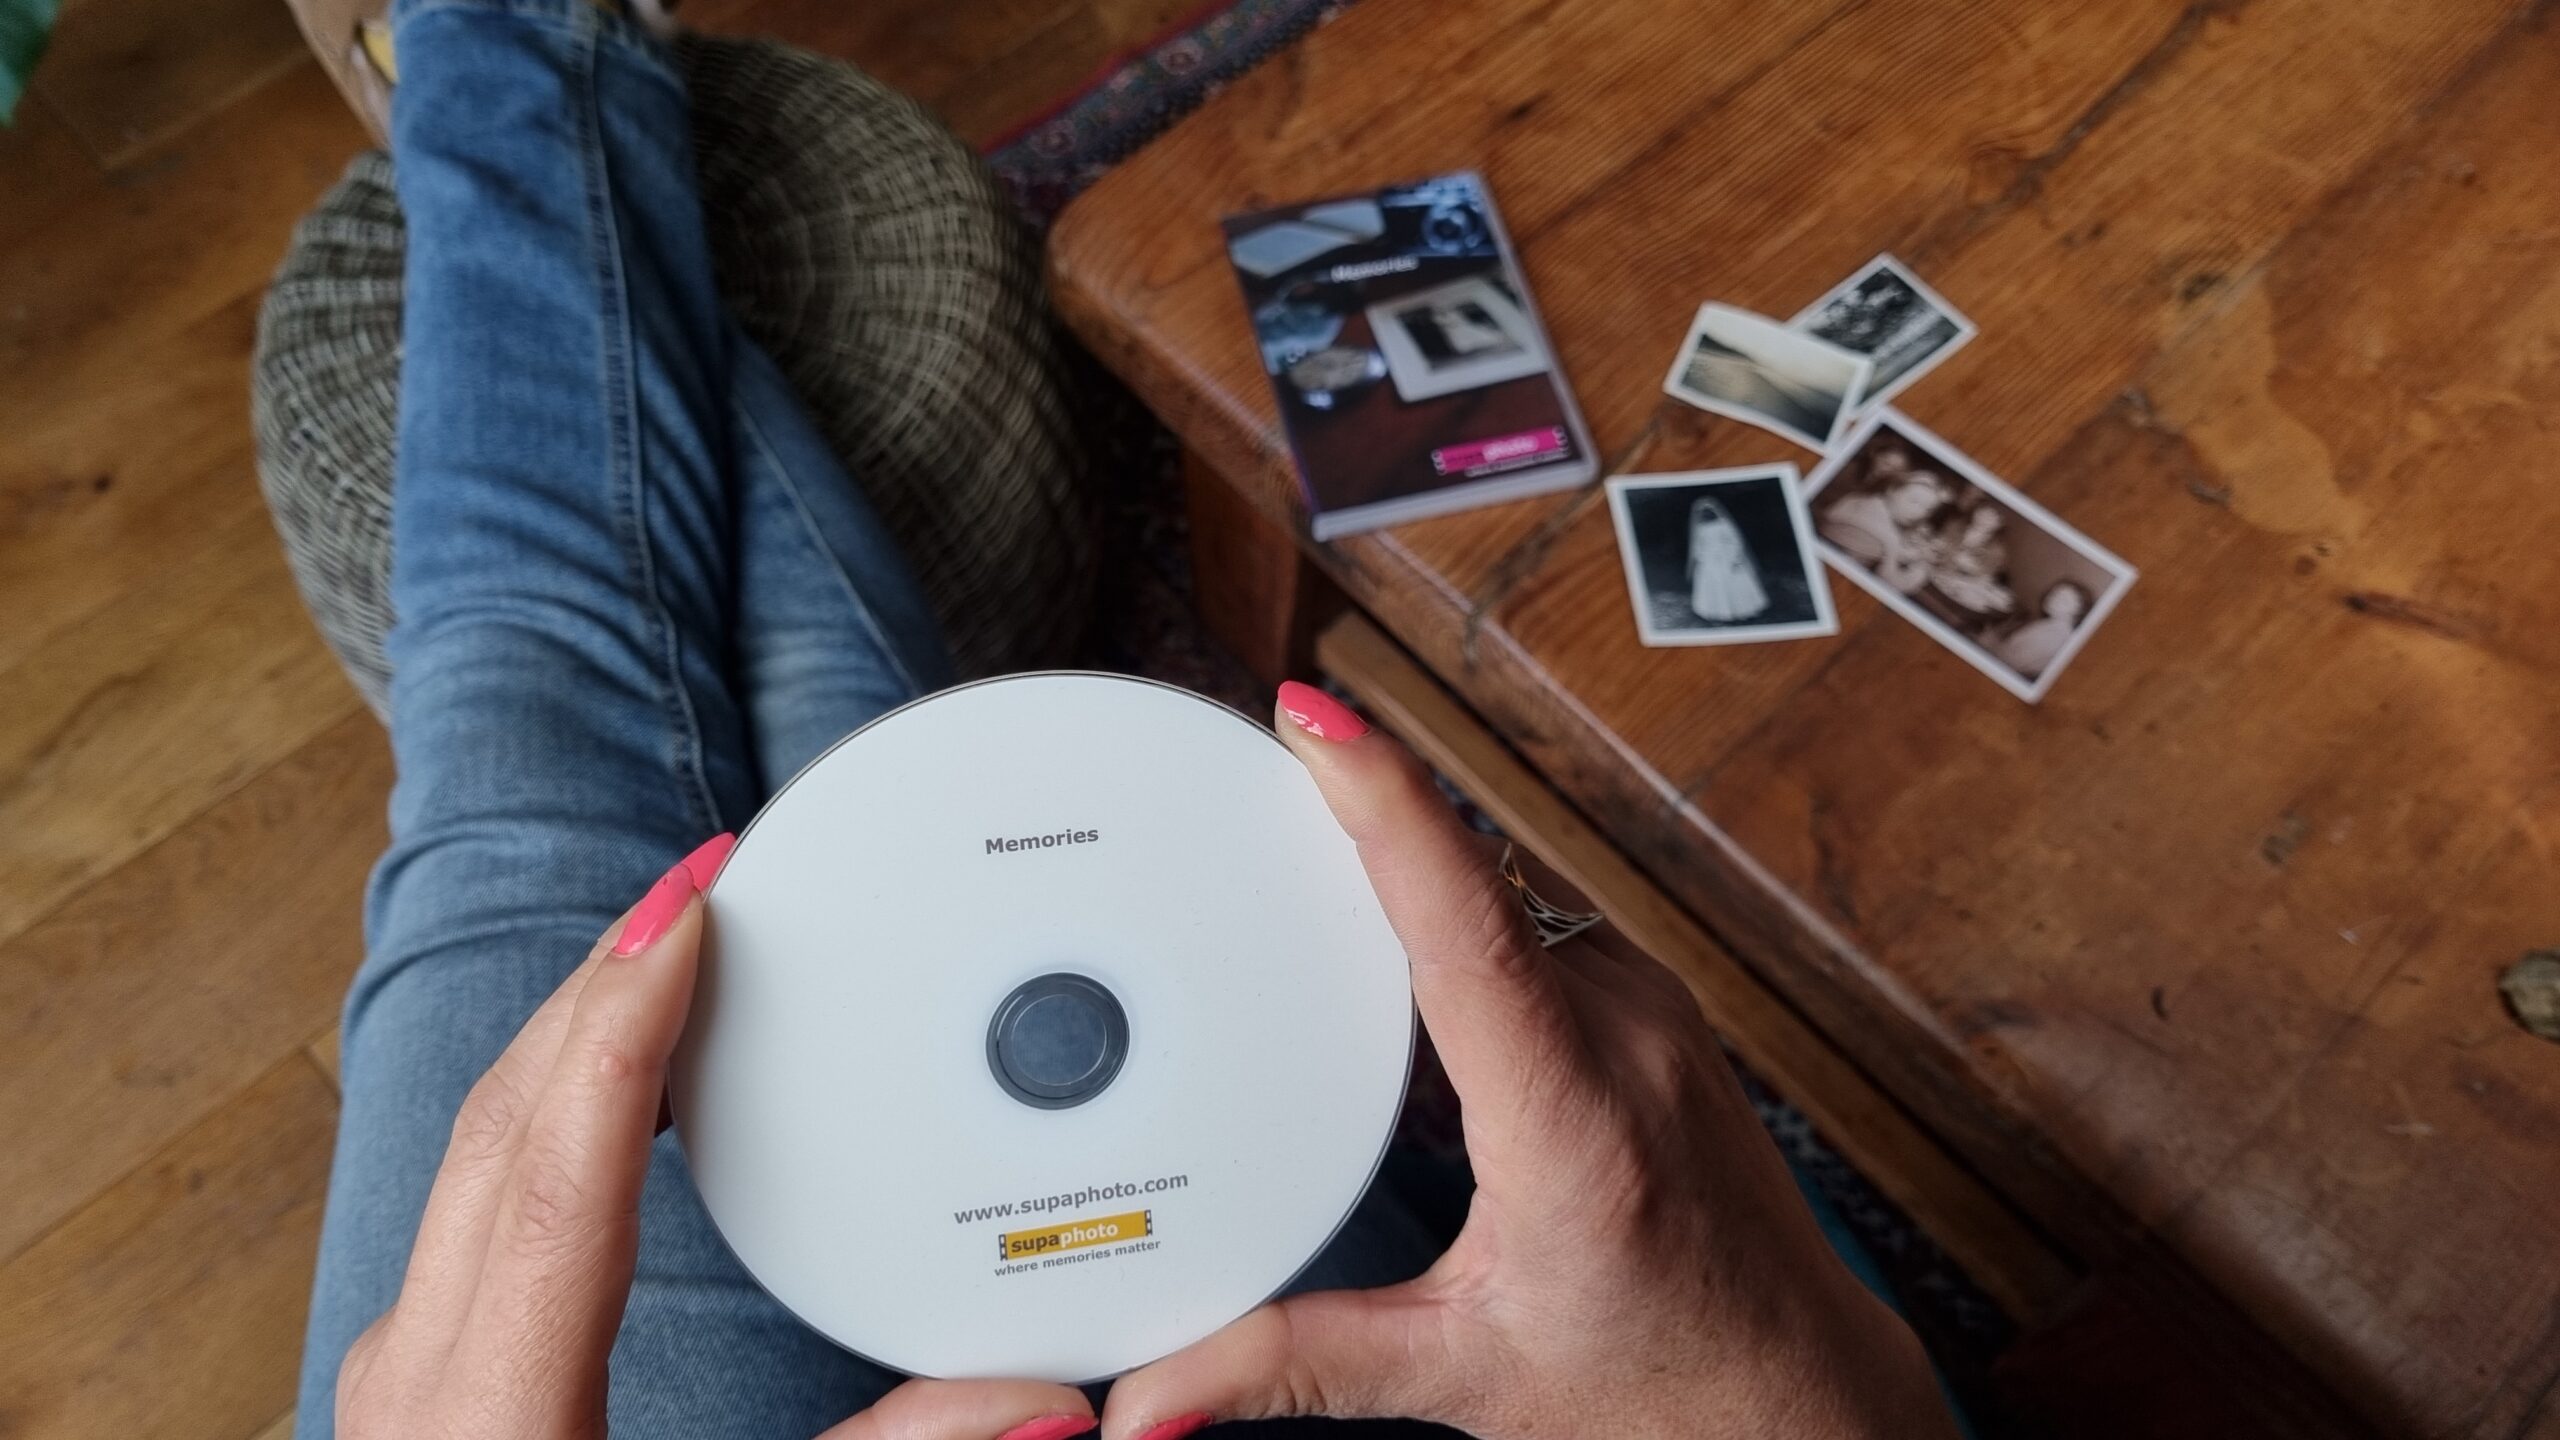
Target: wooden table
pixel 2194 964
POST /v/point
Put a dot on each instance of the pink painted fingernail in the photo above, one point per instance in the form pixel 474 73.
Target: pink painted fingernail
pixel 1197 1420
pixel 706 859
pixel 656 912
pixel 1325 718
pixel 1050 1427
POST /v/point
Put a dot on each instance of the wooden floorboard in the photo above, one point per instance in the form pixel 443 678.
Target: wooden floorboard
pixel 128 477
pixel 172 1303
pixel 128 74
pixel 47 169
pixel 129 724
pixel 126 321
pixel 153 995
pixel 189 793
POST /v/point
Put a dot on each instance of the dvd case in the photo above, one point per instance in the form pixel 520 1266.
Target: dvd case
pixel 1413 375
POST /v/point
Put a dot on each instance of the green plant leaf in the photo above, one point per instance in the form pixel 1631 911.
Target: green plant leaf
pixel 23 27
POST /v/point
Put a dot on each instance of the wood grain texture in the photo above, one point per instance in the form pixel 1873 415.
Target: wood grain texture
pixel 190 232
pixel 2194 960
pixel 128 74
pixel 133 720
pixel 2077 314
pixel 172 1304
pixel 2015 1264
pixel 2335 625
pixel 48 171
pixel 154 995
pixel 126 321
pixel 132 482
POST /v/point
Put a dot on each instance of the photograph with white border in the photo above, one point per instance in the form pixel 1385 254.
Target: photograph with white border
pixel 1891 316
pixel 1990 574
pixel 1750 368
pixel 1720 557
pixel 1464 335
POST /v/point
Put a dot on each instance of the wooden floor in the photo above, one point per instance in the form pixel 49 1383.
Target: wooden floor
pixel 190 792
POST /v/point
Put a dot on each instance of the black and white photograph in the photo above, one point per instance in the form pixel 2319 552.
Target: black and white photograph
pixel 1750 368
pixel 1889 315
pixel 1720 557
pixel 1459 336
pixel 1995 577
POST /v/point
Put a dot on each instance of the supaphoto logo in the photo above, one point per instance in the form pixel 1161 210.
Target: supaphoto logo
pixel 1075 1235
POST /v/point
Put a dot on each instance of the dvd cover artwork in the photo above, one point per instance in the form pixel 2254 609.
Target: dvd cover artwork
pixel 1413 375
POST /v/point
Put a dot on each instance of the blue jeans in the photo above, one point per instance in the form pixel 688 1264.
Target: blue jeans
pixel 635 593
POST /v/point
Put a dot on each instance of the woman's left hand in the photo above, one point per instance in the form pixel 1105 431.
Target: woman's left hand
pixel 524 1258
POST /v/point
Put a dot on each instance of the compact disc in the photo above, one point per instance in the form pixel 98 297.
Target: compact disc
pixel 1045 1025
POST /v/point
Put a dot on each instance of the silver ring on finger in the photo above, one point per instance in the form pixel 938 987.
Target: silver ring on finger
pixel 1554 924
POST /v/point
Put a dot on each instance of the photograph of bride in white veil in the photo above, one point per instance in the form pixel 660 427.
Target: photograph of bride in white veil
pixel 1717 557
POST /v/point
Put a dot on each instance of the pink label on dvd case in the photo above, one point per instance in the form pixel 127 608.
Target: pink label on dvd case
pixel 1501 449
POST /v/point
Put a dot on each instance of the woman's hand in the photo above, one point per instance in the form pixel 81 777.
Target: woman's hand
pixel 524 1258
pixel 1636 1261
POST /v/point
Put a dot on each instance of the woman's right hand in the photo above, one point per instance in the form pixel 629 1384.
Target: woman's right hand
pixel 1636 1260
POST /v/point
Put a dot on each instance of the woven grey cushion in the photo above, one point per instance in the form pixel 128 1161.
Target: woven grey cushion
pixel 859 242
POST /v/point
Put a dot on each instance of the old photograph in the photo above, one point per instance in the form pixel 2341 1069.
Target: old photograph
pixel 1750 368
pixel 1887 314
pixel 1992 575
pixel 1720 557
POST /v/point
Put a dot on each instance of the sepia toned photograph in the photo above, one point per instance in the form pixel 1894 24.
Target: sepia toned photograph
pixel 1720 557
pixel 1993 576
pixel 1887 314
pixel 1750 368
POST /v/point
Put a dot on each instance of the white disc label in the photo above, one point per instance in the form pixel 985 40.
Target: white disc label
pixel 1045 1026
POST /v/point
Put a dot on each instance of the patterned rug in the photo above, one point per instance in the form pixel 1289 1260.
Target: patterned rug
pixel 1145 624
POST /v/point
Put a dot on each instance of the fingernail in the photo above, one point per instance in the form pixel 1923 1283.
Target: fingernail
pixel 706 858
pixel 1325 718
pixel 1193 1423
pixel 1050 1427
pixel 656 912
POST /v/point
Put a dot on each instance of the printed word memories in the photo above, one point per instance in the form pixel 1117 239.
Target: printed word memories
pixel 1042 842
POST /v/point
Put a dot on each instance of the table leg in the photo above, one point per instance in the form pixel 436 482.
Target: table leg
pixel 1257 592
